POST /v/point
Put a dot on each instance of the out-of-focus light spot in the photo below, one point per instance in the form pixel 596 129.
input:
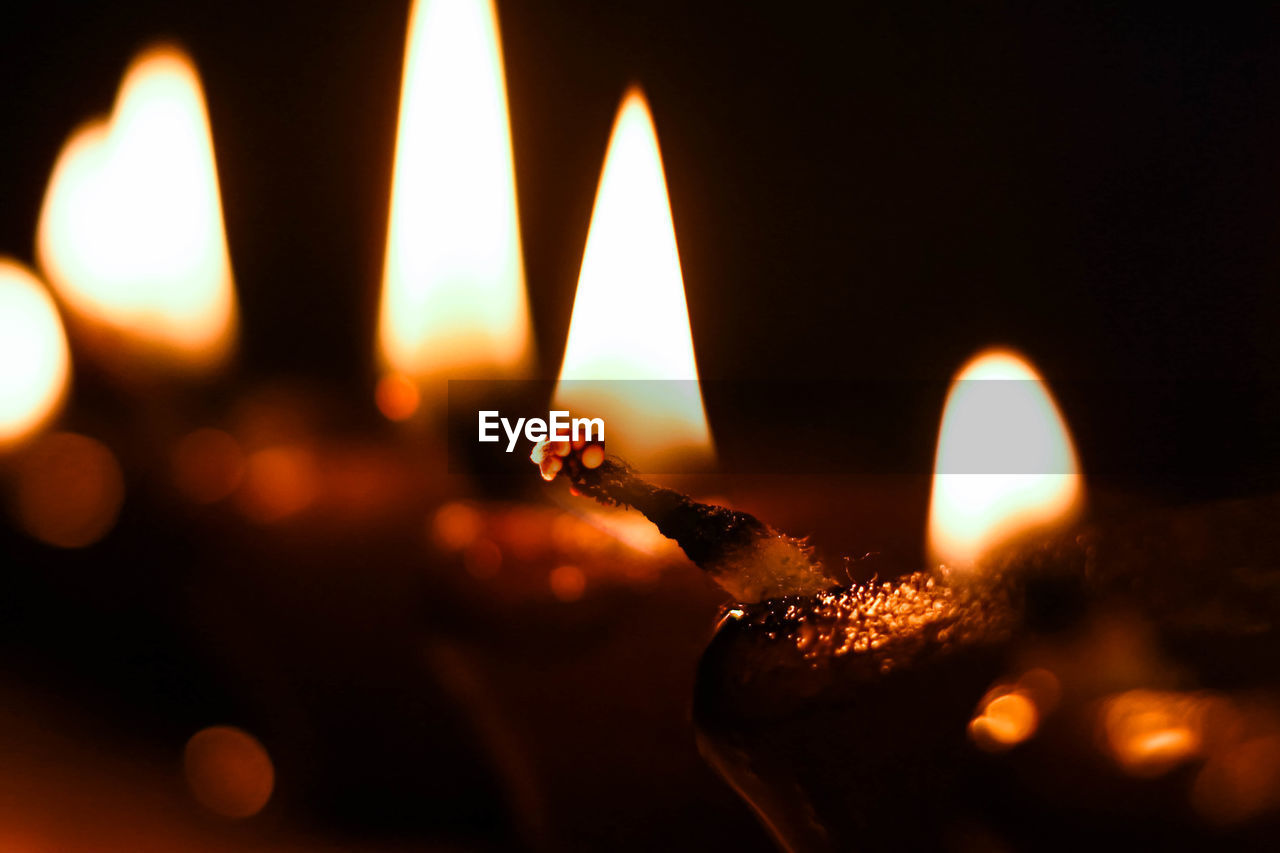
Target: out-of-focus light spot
pixel 572 535
pixel 397 397
pixel 568 583
pixel 279 482
pixel 593 456
pixel 69 490
pixel 456 525
pixel 35 365
pixel 1004 720
pixel 525 532
pixel 229 771
pixel 633 530
pixel 1150 732
pixel 1005 463
pixel 1042 687
pixel 453 290
pixel 208 465
pixel 131 232
pixel 630 321
pixel 1240 783
pixel 483 559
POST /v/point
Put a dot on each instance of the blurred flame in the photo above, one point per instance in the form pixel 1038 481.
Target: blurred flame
pixel 33 352
pixel 1005 462
pixel 453 297
pixel 630 320
pixel 130 234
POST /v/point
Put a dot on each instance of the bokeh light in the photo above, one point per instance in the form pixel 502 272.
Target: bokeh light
pixel 35 364
pixel 568 583
pixel 208 465
pixel 69 490
pixel 229 771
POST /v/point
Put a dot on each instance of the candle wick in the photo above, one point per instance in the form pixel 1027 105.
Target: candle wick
pixel 750 559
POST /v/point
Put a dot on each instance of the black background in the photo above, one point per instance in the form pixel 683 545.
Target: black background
pixel 868 194
pixel 871 192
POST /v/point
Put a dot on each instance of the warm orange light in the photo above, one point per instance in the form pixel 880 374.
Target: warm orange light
pixel 456 526
pixel 34 363
pixel 1240 783
pixel 453 297
pixel 630 320
pixel 1005 462
pixel 229 771
pixel 568 583
pixel 130 234
pixel 1005 720
pixel 69 490
pixel 397 397
pixel 208 465
pixel 1150 732
pixel 279 482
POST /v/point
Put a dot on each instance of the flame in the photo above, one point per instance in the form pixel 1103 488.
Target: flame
pixel 130 234
pixel 630 320
pixel 453 297
pixel 1005 462
pixel 33 350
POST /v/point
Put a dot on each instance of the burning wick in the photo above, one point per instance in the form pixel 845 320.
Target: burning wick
pixel 747 557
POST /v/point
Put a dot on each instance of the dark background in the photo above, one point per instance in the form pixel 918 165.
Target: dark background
pixel 872 192
pixel 869 194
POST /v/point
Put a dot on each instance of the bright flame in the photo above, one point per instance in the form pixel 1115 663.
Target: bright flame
pixel 1005 462
pixel 131 234
pixel 34 363
pixel 630 320
pixel 453 297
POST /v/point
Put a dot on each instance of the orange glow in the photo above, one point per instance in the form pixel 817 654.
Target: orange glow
pixel 1005 719
pixel 630 320
pixel 453 294
pixel 69 490
pixel 483 559
pixel 130 234
pixel 208 465
pixel 456 526
pixel 1005 462
pixel 229 771
pixel 568 583
pixel 279 482
pixel 397 397
pixel 33 348
pixel 1241 782
pixel 1150 732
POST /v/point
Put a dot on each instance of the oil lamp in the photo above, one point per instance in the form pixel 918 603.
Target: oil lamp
pixel 1049 686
